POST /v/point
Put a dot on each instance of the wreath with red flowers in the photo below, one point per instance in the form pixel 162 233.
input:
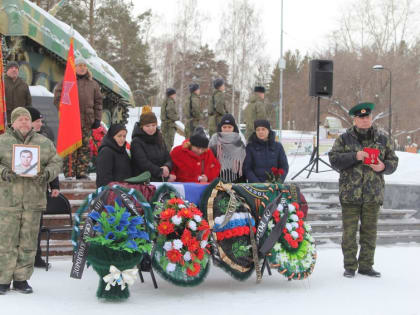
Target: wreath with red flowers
pixel 182 251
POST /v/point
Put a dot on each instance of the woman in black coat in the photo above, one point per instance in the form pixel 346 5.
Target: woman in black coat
pixel 148 150
pixel 113 162
pixel 263 153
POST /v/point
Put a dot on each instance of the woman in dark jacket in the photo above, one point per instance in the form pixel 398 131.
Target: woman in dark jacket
pixel 148 150
pixel 263 153
pixel 113 162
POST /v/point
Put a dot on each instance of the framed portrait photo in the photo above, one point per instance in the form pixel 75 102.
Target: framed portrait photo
pixel 26 160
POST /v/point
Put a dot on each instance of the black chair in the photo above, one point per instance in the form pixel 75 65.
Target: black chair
pixel 57 206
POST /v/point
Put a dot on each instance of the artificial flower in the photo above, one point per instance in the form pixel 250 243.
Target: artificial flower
pixel 187 256
pixel 167 214
pixel 177 220
pixel 174 255
pixel 167 246
pixel 194 270
pixel 178 244
pixel 165 227
pixel 192 225
pixel 170 267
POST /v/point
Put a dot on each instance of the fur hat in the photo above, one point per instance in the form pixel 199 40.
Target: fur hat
pixel 147 116
pixel 170 91
pixel 218 83
pixel 262 123
pixel 199 138
pixel 35 114
pixel 193 87
pixel 19 111
pixel 227 119
pixel 259 89
pixel 11 64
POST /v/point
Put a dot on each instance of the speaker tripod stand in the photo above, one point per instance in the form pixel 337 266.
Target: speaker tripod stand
pixel 315 159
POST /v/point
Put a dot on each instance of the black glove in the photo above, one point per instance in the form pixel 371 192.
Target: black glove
pixel 8 175
pixel 96 124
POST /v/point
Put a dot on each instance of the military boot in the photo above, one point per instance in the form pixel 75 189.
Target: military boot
pixel 22 287
pixel 348 273
pixel 4 288
pixel 370 272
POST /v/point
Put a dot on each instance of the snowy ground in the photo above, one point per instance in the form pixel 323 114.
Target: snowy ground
pixel 325 292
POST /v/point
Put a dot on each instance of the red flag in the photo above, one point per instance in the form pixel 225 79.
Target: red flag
pixel 69 136
pixel 3 112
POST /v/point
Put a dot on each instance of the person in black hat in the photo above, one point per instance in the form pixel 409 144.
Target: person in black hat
pixel 193 161
pixel 54 186
pixel 229 148
pixel 169 115
pixel 148 150
pixel 16 90
pixel 217 105
pixel 193 112
pixel 263 153
pixel 255 109
pixel 113 163
pixel 361 186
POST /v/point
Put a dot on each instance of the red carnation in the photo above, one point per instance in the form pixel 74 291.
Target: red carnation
pixel 174 255
pixel 276 216
pixel 300 214
pixel 167 214
pixel 176 201
pixel 200 254
pixel 300 230
pixel 204 225
pixel 186 236
pixel 193 245
pixel 165 227
pixel 220 236
pixel 194 271
pixel 274 170
pixel 196 211
pixel 297 206
pixel 186 213
pixel 280 171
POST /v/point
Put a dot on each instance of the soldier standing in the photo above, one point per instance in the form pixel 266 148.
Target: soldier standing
pixel 217 106
pixel 361 187
pixel 90 103
pixel 193 110
pixel 169 115
pixel 16 90
pixel 22 199
pixel 255 110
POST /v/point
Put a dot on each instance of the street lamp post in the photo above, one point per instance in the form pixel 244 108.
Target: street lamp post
pixel 378 68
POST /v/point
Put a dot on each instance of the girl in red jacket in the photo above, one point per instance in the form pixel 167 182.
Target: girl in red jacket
pixel 193 162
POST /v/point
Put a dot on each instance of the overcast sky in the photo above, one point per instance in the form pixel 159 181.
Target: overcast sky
pixel 306 22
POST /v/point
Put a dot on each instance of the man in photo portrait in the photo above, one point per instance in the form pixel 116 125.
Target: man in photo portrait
pixel 26 166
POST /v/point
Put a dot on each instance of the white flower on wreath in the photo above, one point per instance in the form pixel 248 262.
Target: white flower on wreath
pixel 181 206
pixel 294 217
pixel 277 247
pixel 178 244
pixel 197 218
pixel 176 220
pixel 187 256
pixel 294 234
pixel 291 208
pixel 289 227
pixel 192 225
pixel 203 243
pixel 167 246
pixel 170 267
pixel 295 225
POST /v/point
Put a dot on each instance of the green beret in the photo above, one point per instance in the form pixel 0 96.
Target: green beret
pixel 362 109
pixel 19 111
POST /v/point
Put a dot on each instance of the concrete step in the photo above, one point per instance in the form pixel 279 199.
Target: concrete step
pixel 396 225
pixel 77 194
pixel 58 247
pixel 77 184
pixel 384 237
pixel 335 214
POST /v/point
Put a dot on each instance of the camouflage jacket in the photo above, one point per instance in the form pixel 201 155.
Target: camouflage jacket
pixel 169 112
pixel 217 104
pixel 17 94
pixel 193 108
pixel 255 110
pixel 26 192
pixel 358 182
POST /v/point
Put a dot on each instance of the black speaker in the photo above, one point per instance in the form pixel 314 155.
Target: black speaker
pixel 321 78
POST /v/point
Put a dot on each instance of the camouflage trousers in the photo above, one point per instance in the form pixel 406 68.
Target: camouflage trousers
pixel 168 133
pixel 18 243
pixel 190 126
pixel 367 214
pixel 79 159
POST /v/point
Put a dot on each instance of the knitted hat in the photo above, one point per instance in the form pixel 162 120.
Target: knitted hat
pixel 170 91
pixel 147 116
pixel 80 61
pixel 114 129
pixel 35 114
pixel 199 138
pixel 228 119
pixel 218 83
pixel 262 123
pixel 260 89
pixel 11 64
pixel 193 87
pixel 19 111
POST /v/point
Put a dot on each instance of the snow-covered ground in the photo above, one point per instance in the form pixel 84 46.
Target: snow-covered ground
pixel 325 292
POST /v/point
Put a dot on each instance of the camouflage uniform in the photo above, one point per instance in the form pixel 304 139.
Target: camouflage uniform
pixel 193 114
pixel 21 204
pixel 217 108
pixel 169 114
pixel 361 192
pixel 254 111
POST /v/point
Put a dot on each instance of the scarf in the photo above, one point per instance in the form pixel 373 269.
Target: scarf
pixel 230 151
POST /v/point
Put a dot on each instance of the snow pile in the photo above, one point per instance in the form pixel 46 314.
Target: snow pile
pixel 39 90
